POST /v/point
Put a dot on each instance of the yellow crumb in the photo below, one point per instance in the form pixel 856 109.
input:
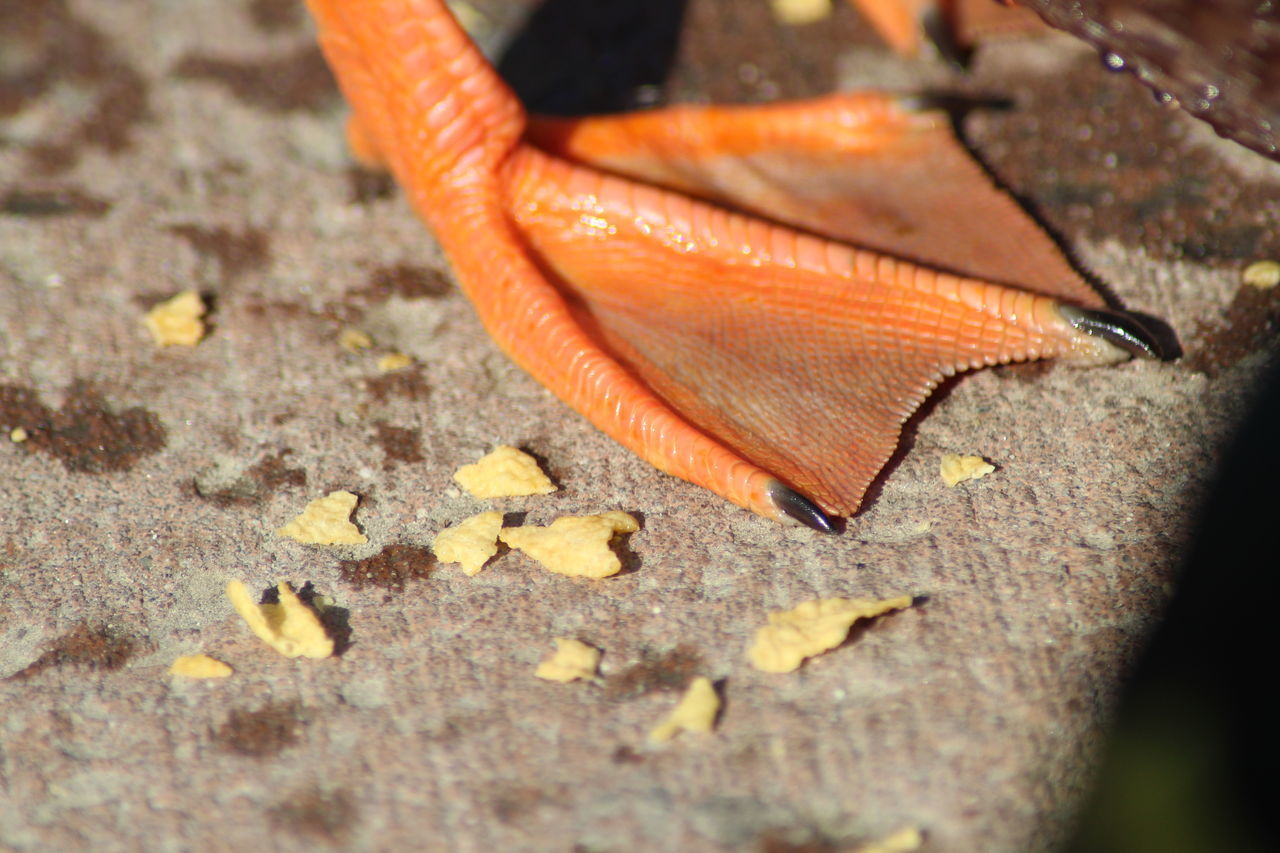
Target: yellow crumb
pixel 1262 274
pixel 199 666
pixel 18 435
pixel 956 469
pixel 290 627
pixel 573 659
pixel 354 340
pixel 394 361
pixel 176 321
pixel 695 713
pixel 470 542
pixel 799 12
pixel 574 545
pixel 326 521
pixel 504 473
pixel 812 628
pixel 903 841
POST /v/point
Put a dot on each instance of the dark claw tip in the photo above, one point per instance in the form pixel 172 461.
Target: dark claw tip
pixel 795 505
pixel 1117 327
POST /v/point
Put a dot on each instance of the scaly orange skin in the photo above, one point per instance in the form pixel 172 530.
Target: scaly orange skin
pixel 585 280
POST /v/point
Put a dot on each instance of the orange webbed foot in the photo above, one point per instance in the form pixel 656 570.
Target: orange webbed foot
pixel 741 351
pixel 874 170
pixel 803 355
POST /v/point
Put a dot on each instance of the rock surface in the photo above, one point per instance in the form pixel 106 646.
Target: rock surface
pixel 147 148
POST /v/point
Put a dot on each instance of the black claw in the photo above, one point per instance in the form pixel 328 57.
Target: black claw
pixel 1118 327
pixel 797 506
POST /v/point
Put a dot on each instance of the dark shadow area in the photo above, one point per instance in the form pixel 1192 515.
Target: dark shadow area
pixel 621 546
pixel 1191 763
pixel 865 624
pixel 940 31
pixel 721 687
pixel 580 57
pixel 546 467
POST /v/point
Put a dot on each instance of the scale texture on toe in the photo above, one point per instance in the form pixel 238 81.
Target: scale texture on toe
pixel 687 278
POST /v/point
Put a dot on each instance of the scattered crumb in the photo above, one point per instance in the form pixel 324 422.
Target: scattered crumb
pixel 394 361
pixel 290 627
pixel 470 542
pixel 354 340
pixel 18 435
pixel 1262 274
pixel 957 469
pixel 176 321
pixel 812 628
pixel 505 473
pixel 695 713
pixel 326 521
pixel 796 13
pixel 903 841
pixel 573 659
pixel 199 666
pixel 574 545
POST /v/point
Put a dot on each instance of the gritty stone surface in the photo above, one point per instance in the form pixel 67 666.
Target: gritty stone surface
pixel 153 147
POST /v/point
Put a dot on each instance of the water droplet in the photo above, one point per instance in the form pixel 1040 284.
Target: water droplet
pixel 1113 61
